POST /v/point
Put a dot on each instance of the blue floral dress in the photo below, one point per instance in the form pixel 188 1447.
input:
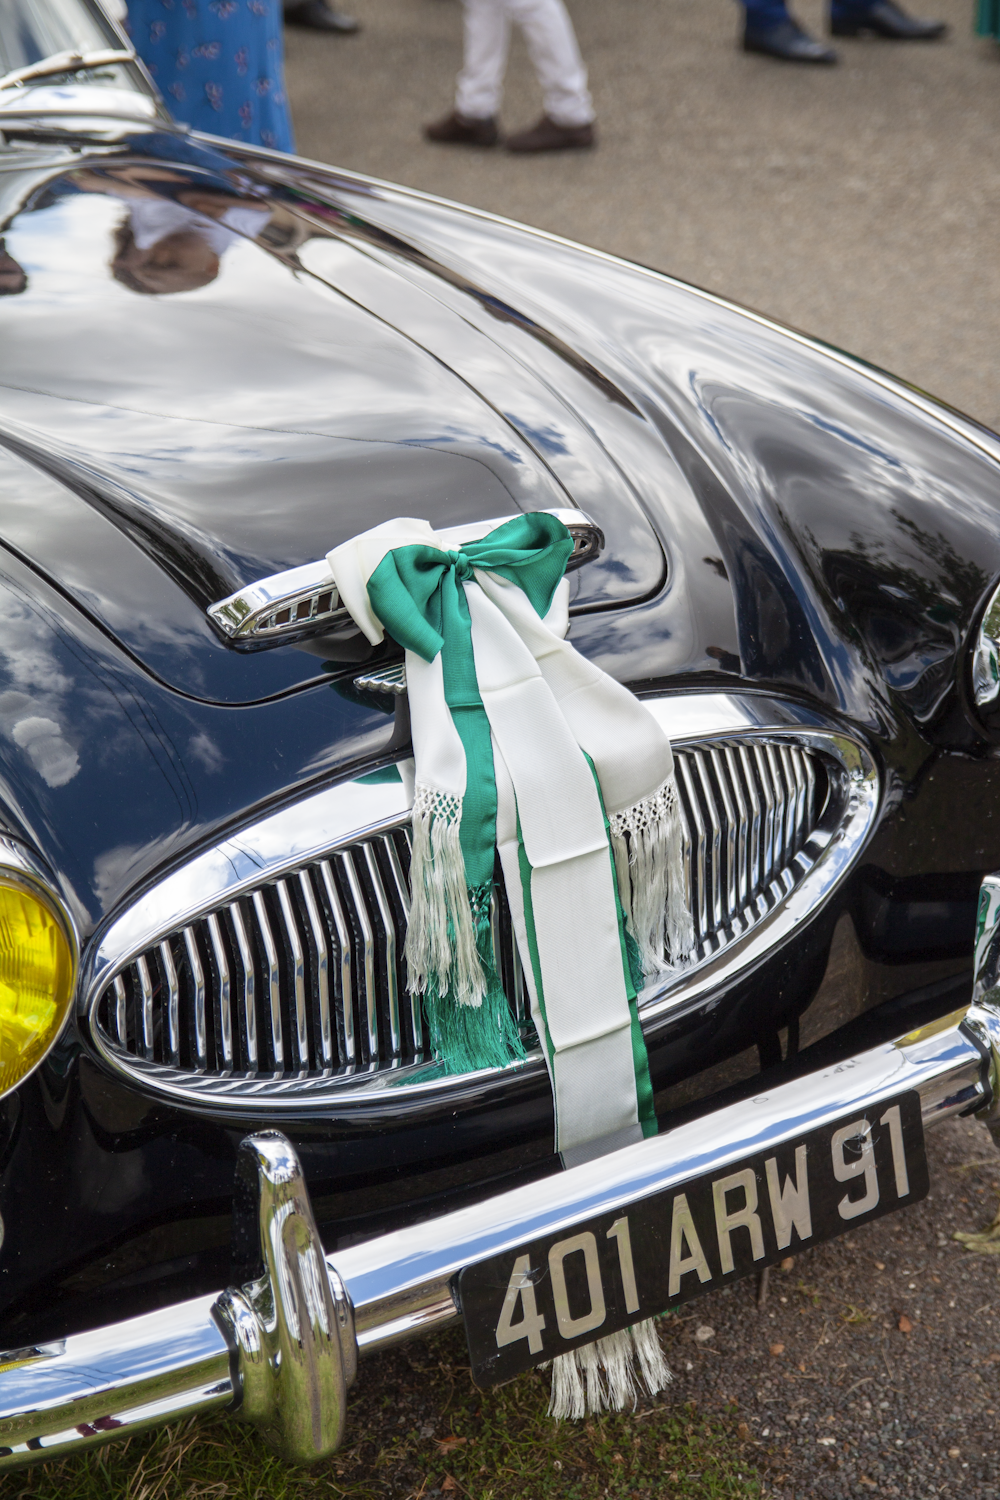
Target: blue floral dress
pixel 219 64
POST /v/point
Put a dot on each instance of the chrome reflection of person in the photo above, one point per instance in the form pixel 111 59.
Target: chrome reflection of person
pixel 771 29
pixel 13 278
pixel 163 247
pixel 219 64
pixel 174 234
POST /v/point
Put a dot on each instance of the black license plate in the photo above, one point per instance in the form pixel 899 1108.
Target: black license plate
pixel 605 1273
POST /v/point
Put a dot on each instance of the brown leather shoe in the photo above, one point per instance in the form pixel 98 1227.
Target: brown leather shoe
pixel 456 130
pixel 548 136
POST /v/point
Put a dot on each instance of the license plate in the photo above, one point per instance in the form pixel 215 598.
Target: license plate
pixel 605 1273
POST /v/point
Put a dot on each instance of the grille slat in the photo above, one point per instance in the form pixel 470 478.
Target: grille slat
pixel 173 1004
pixel 322 961
pixel 199 1037
pixel 366 967
pixel 272 981
pixel 402 892
pixel 344 972
pixel 298 967
pixel 777 858
pixel 696 823
pixel 304 976
pixel 387 949
pixel 735 783
pixel 754 819
pixel 121 1004
pixel 146 991
pixel 223 1012
pixel 767 850
pixel 714 850
pixel 729 816
pixel 812 811
pixel 248 988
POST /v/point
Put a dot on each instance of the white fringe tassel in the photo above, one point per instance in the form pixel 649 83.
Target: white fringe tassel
pixel 648 846
pixel 439 936
pixel 609 1375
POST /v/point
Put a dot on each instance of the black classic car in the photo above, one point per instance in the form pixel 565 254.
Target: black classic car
pixel 230 1160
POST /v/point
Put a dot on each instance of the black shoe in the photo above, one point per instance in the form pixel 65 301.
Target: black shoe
pixel 318 15
pixel 546 135
pixel 788 42
pixel 457 130
pixel 885 19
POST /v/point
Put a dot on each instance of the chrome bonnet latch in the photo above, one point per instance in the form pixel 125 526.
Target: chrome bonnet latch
pixel 303 601
pixel 290 1324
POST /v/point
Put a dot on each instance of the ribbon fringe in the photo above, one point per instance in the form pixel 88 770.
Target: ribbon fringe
pixel 441 952
pixel 468 1038
pixel 647 840
pixel 609 1374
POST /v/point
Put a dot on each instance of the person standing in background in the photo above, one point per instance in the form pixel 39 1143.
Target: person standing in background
pixel 771 29
pixel 568 121
pixel 219 64
pixel 319 16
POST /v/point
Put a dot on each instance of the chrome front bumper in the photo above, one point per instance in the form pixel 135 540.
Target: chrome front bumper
pixel 281 1349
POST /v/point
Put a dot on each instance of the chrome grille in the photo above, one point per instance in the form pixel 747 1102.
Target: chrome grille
pixel 749 809
pixel 304 977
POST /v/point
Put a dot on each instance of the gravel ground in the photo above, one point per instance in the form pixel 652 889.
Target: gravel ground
pixel 872 1367
pixel 858 202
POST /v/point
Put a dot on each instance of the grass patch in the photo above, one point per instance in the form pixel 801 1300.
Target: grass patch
pixel 418 1427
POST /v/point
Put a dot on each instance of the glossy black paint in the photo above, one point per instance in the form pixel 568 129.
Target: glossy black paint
pixel 777 517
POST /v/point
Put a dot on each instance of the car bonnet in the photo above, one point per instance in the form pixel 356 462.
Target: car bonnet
pixel 204 382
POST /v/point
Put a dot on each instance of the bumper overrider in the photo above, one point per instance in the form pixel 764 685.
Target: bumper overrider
pixel 280 1348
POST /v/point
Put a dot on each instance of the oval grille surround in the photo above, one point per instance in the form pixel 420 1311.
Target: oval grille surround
pixel 301 979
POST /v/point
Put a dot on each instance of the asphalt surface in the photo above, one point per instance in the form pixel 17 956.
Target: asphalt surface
pixel 859 202
pixel 873 1367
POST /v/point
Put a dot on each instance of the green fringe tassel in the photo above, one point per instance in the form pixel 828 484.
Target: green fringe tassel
pixel 634 961
pixel 470 1037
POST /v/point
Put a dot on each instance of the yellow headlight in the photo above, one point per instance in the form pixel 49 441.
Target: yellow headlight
pixel 37 973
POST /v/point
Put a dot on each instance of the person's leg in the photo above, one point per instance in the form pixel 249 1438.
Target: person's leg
pixel 555 56
pixel 761 15
pixel 479 88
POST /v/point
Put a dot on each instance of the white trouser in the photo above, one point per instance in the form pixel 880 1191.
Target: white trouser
pixel 553 49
